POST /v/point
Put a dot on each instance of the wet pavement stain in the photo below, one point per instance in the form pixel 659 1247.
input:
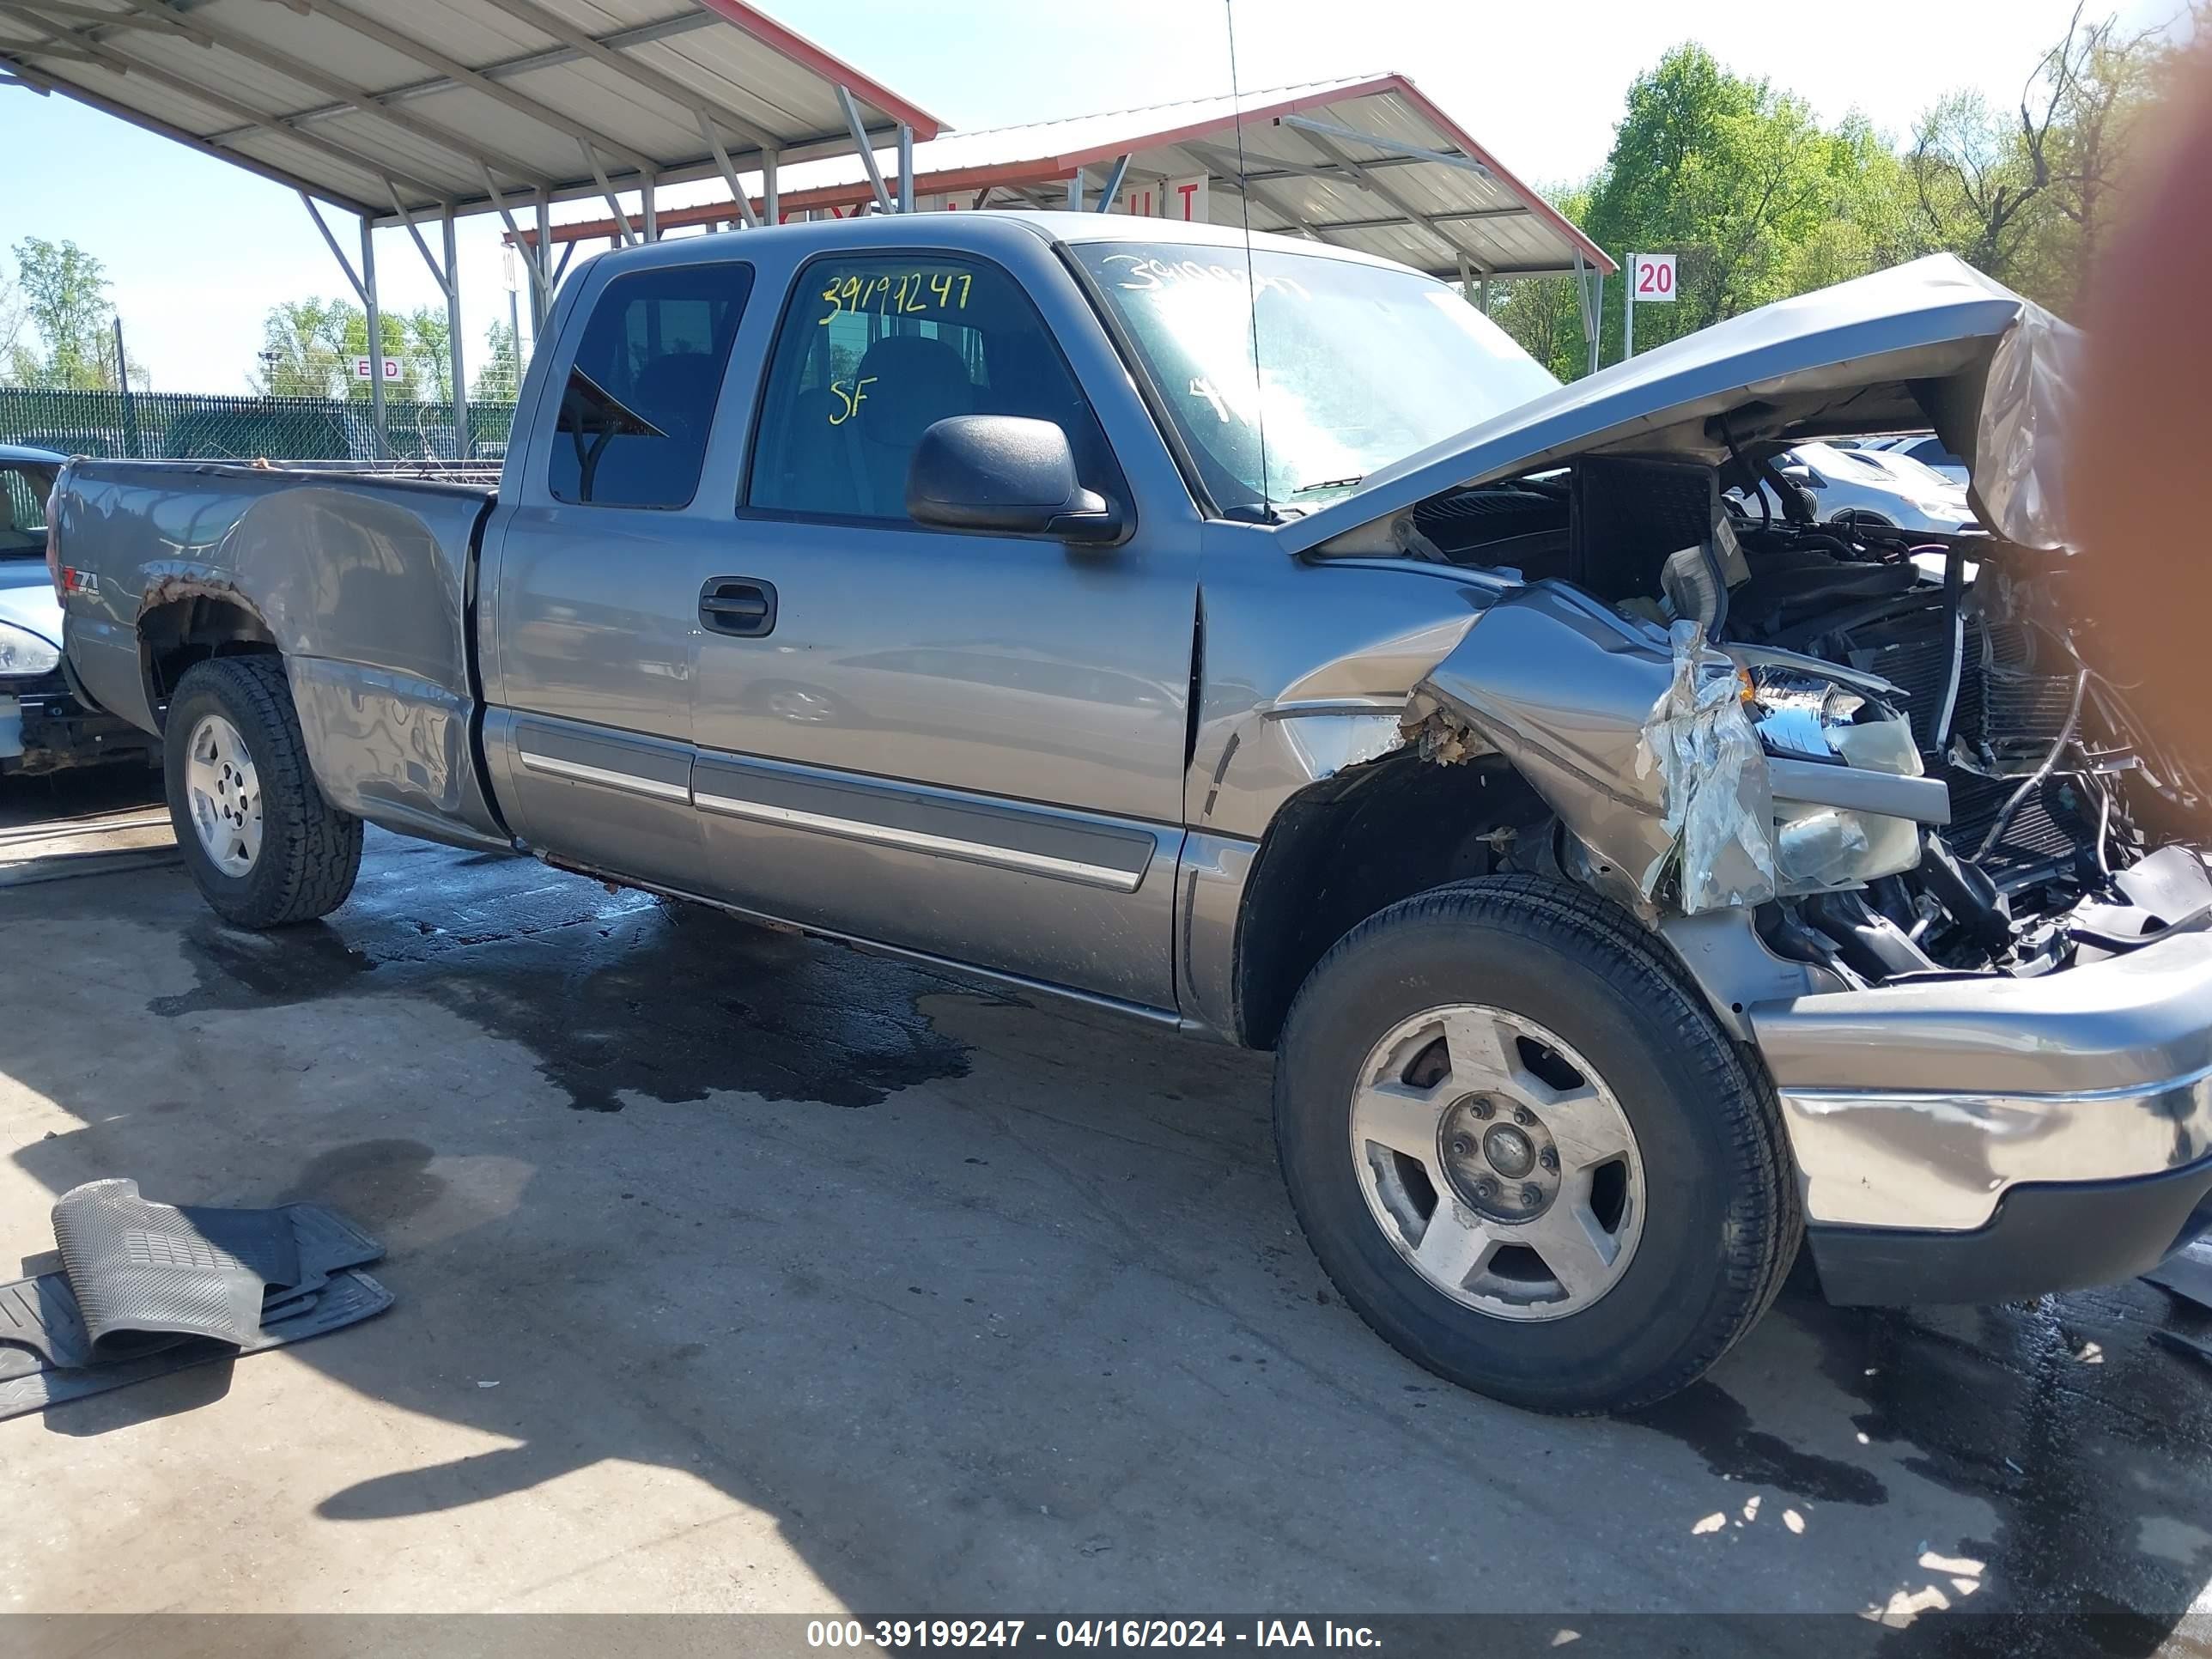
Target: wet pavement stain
pixel 615 992
pixel 1710 1421
pixel 378 1184
pixel 2091 1445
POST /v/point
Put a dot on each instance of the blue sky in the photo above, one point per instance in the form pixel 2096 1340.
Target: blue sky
pixel 199 251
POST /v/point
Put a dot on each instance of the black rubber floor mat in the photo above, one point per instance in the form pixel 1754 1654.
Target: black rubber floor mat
pixel 350 1297
pixel 2187 1275
pixel 146 1288
pixel 146 1273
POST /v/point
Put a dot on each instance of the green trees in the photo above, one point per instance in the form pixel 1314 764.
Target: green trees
pixel 1760 201
pixel 499 378
pixel 309 348
pixel 62 333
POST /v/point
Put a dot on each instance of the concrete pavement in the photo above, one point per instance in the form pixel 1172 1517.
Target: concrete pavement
pixel 739 1272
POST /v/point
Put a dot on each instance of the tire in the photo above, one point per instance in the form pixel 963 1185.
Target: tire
pixel 305 853
pixel 1699 1207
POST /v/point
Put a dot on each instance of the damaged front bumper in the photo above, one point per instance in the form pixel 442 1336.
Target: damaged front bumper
pixel 1983 1139
pixel 1973 1137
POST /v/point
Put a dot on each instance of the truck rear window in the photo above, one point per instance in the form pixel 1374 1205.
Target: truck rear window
pixel 640 398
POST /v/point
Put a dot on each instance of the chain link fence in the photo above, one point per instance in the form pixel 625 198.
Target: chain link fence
pixel 180 426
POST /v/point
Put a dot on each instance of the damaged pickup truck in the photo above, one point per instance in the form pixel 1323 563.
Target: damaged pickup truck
pixel 1630 884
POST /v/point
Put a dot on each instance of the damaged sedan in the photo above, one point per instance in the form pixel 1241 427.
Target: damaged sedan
pixel 1635 874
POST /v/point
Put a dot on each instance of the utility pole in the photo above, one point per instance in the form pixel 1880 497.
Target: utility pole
pixel 123 379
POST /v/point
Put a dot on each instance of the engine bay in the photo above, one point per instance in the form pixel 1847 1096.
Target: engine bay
pixel 2070 830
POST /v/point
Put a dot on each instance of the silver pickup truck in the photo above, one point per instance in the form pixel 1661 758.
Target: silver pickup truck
pixel 1628 883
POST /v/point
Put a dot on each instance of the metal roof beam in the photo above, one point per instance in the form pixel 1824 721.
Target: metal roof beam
pixel 729 173
pixel 614 202
pixel 108 57
pixel 208 33
pixel 91 15
pixel 534 253
pixel 46 49
pixel 865 151
pixel 1448 216
pixel 337 252
pixel 1310 127
pixel 443 278
pixel 457 74
pixel 553 57
pixel 644 75
pixel 1223 166
pixel 1113 189
pixel 1450 237
pixel 1261 168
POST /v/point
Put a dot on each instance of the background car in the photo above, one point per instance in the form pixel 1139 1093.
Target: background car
pixel 43 727
pixel 1871 486
pixel 1925 447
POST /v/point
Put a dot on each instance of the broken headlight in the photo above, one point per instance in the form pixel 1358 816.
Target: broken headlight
pixel 1802 715
pixel 1795 712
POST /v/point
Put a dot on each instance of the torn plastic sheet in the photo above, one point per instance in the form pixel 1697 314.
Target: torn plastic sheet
pixel 2020 436
pixel 1718 804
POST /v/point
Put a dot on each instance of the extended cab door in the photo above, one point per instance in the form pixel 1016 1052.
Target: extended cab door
pixel 961 744
pixel 596 569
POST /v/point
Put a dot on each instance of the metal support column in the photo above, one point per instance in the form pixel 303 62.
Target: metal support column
pixel 541 291
pixel 380 437
pixel 1075 191
pixel 1465 280
pixel 461 446
pixel 771 205
pixel 1110 198
pixel 1484 301
pixel 866 148
pixel 1586 299
pixel 649 207
pixel 905 169
pixel 1597 312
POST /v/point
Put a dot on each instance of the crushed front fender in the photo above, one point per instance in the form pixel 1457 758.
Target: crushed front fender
pixel 1635 740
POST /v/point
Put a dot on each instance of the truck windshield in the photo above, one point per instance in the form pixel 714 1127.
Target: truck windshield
pixel 1360 365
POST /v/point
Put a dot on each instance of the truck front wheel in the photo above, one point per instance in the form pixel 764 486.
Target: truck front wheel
pixel 262 843
pixel 1525 1152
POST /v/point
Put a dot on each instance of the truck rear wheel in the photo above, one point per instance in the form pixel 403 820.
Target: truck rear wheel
pixel 1525 1152
pixel 262 843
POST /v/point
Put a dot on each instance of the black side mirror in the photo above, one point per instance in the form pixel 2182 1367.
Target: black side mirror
pixel 1006 474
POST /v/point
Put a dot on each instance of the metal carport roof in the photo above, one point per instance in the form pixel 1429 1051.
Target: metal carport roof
pixel 416 112
pixel 432 102
pixel 1369 163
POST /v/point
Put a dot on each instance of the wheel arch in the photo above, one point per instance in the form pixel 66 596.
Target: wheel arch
pixel 187 624
pixel 1344 849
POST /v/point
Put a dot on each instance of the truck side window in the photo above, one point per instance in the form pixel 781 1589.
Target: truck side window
pixel 874 351
pixel 639 398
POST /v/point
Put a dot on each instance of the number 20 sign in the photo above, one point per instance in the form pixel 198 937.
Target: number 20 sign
pixel 1651 278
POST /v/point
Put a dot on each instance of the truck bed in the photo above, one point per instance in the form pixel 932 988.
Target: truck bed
pixel 362 579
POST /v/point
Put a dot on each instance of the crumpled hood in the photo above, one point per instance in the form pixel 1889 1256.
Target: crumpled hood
pixel 26 598
pixel 1934 342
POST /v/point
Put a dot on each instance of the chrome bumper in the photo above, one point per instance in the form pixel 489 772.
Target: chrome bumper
pixel 1919 1106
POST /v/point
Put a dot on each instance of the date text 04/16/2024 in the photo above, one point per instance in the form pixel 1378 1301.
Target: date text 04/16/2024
pixel 898 1633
